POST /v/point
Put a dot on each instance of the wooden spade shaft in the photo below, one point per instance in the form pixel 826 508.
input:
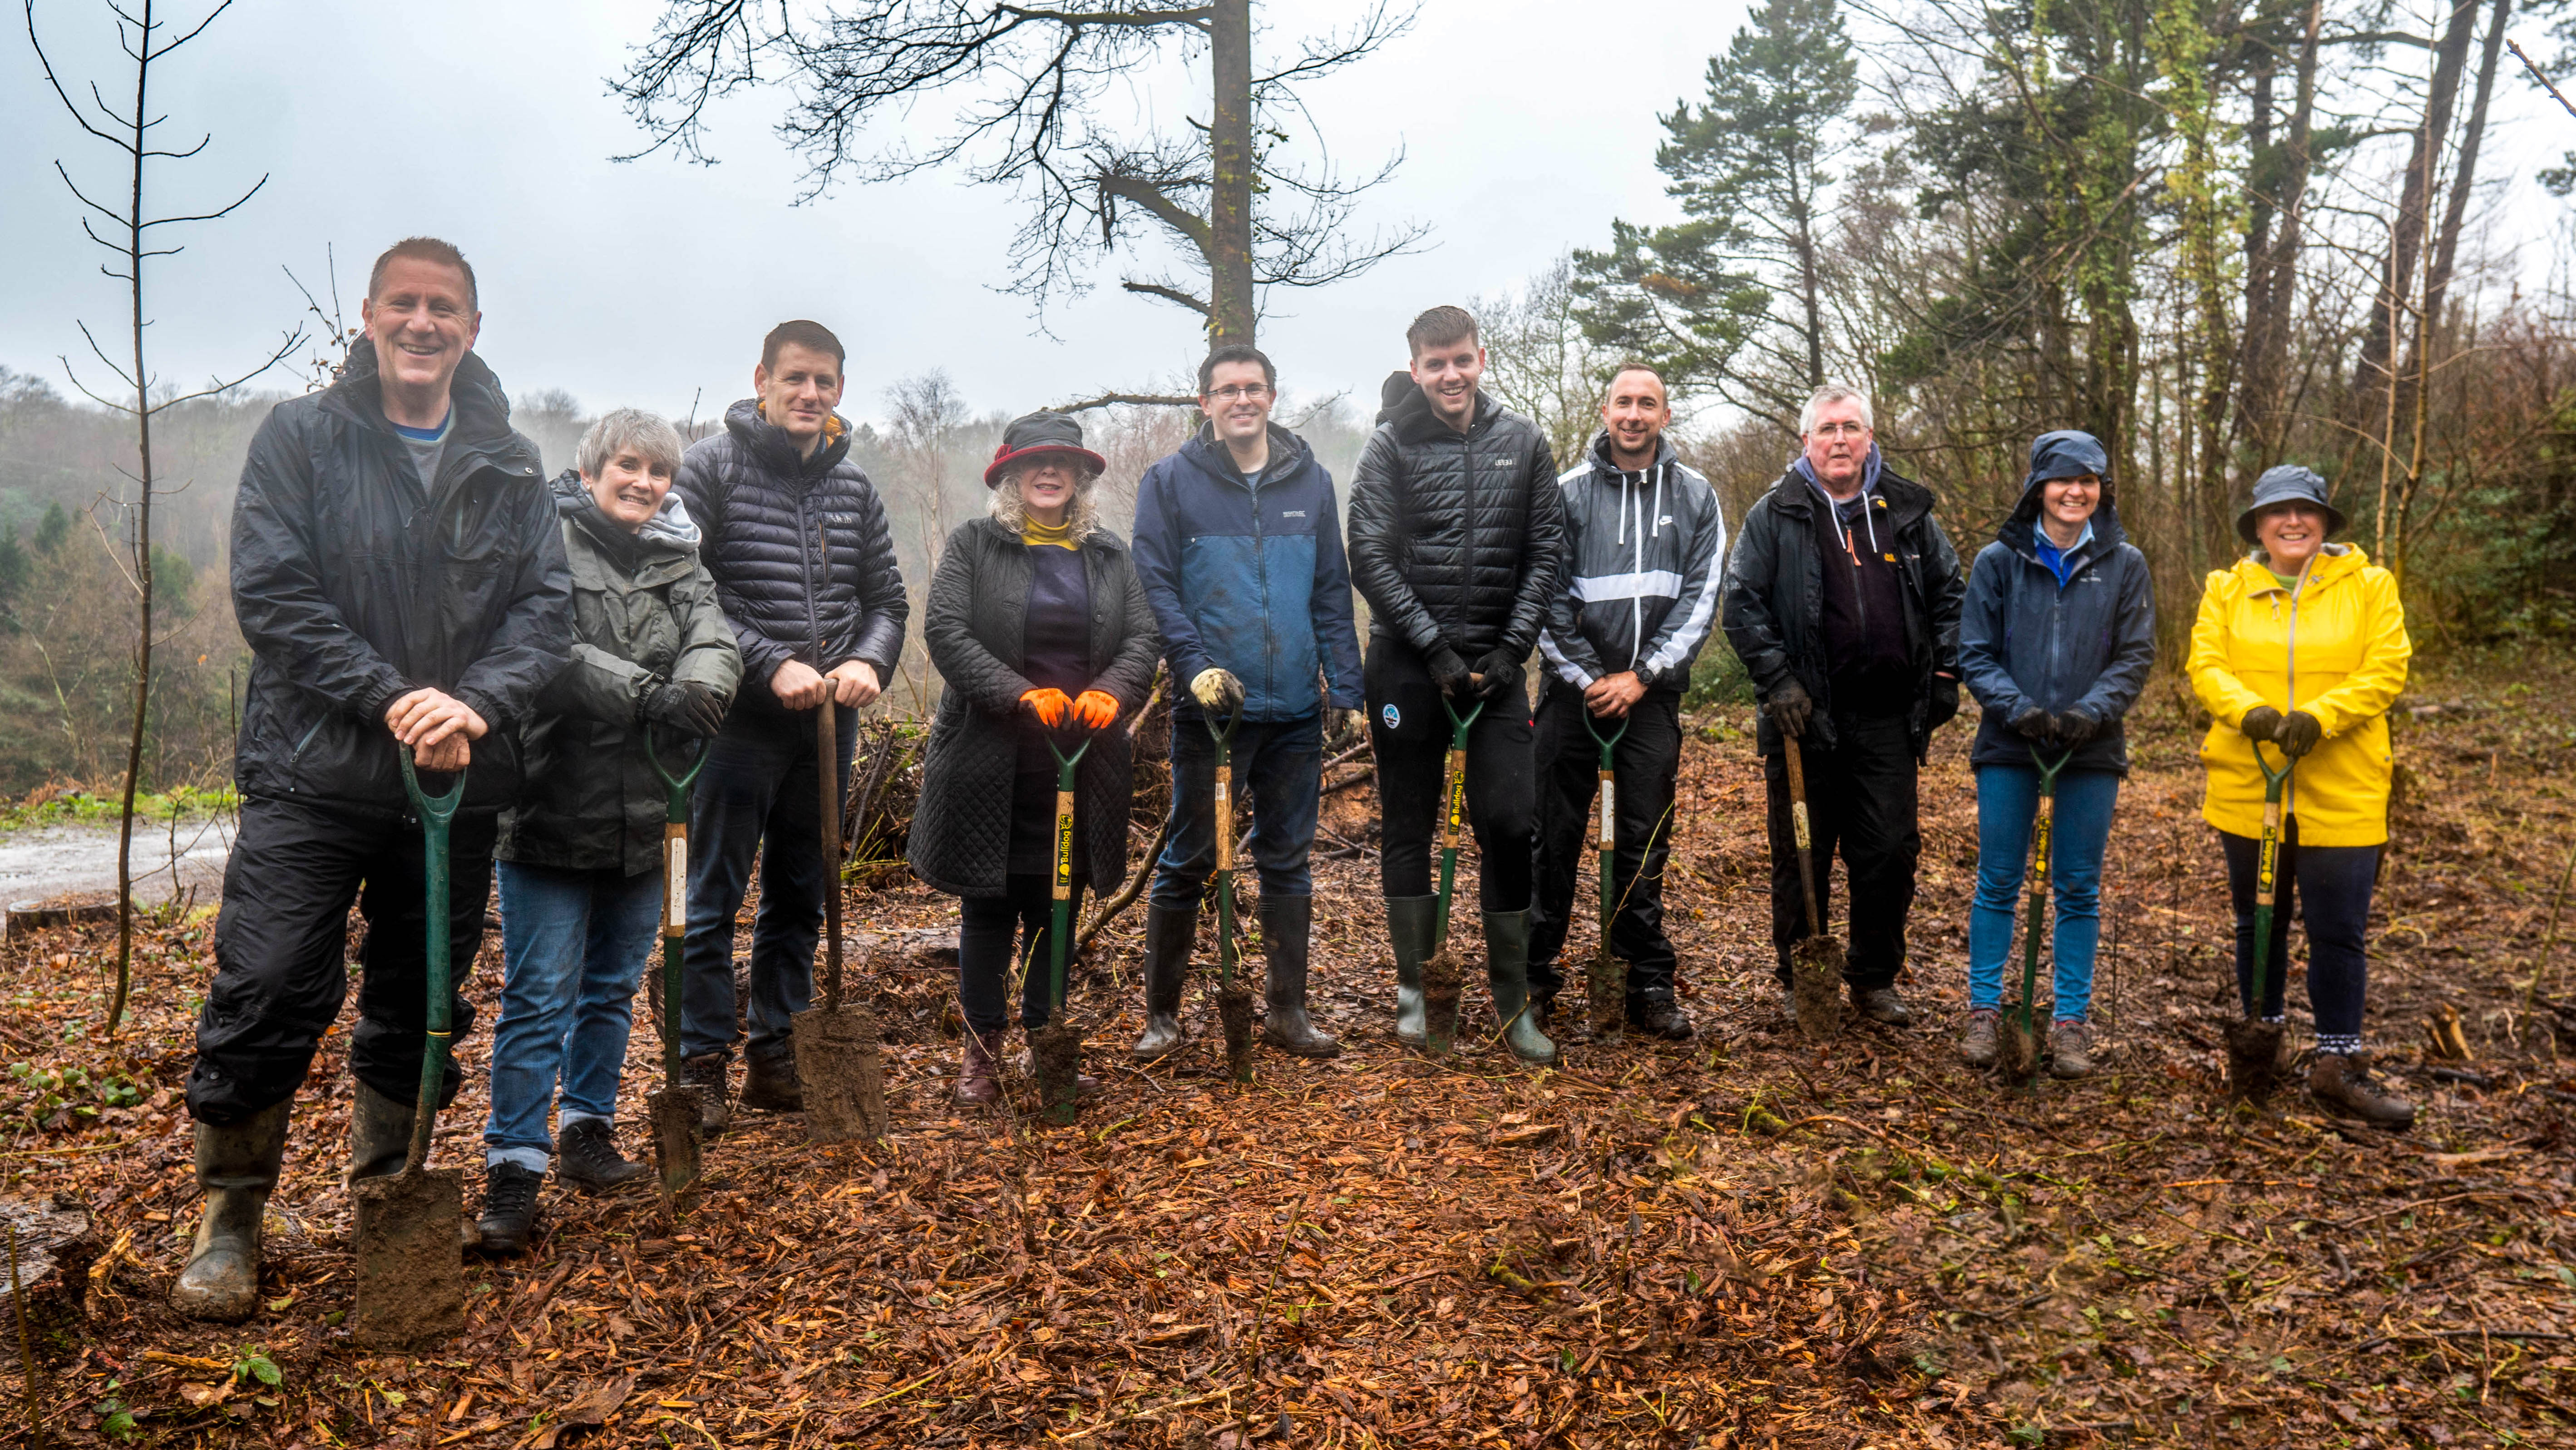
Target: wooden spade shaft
pixel 1798 825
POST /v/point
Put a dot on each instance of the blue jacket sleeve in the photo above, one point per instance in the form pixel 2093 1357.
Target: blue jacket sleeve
pixel 1336 627
pixel 1158 568
pixel 1983 634
pixel 2133 642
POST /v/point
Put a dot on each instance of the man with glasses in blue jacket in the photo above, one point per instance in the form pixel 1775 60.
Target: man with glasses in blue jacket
pixel 1239 544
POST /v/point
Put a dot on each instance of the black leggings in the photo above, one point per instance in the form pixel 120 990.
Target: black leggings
pixel 985 930
pixel 2330 888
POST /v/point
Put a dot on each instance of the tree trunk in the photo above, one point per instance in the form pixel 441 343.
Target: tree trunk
pixel 2455 208
pixel 142 545
pixel 1230 307
pixel 2272 263
pixel 2406 236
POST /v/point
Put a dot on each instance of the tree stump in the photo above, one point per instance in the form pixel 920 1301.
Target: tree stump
pixel 56 1246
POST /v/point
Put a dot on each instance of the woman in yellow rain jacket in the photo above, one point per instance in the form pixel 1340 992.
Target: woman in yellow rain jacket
pixel 2303 645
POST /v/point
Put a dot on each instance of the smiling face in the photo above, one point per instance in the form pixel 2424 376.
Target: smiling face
pixel 799 392
pixel 1237 401
pixel 1838 445
pixel 1046 486
pixel 2068 502
pixel 2291 533
pixel 1447 373
pixel 422 321
pixel 628 489
pixel 1635 414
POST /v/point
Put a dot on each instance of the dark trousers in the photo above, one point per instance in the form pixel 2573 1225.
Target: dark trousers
pixel 1501 803
pixel 1278 770
pixel 1647 758
pixel 281 944
pixel 1860 799
pixel 757 797
pixel 986 928
pixel 2330 887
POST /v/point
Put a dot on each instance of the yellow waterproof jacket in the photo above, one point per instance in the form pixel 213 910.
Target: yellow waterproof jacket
pixel 2340 655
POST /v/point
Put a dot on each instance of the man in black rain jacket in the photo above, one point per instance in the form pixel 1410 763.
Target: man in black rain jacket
pixel 1842 598
pixel 398 575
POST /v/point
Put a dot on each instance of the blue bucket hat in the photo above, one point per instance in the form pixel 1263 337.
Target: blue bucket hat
pixel 2288 483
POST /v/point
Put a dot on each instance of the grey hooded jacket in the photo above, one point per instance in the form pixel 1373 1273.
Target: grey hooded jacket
pixel 1646 556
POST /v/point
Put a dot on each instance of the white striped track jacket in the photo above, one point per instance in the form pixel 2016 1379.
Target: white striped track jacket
pixel 1647 555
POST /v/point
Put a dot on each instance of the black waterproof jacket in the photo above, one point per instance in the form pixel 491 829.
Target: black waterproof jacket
pixel 759 507
pixel 2024 638
pixel 975 625
pixel 1457 539
pixel 355 582
pixel 1774 602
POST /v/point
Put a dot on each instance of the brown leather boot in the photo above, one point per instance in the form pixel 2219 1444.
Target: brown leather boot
pixel 2342 1086
pixel 978 1085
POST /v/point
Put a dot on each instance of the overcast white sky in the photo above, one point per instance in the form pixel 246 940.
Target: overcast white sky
pixel 1526 126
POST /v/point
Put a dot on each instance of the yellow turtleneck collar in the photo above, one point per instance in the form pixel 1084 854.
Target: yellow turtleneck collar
pixel 1033 533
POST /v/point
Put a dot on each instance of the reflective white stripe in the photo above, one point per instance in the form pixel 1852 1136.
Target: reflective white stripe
pixel 1566 669
pixel 1694 626
pixel 1648 584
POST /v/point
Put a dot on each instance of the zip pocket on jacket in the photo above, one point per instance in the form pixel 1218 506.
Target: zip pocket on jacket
pixel 297 753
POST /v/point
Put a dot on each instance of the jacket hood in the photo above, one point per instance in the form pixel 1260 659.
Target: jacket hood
pixel 1392 392
pixel 1288 453
pixel 1798 492
pixel 482 407
pixel 2333 561
pixel 1414 420
pixel 1600 453
pixel 670 532
pixel 769 444
pixel 2063 454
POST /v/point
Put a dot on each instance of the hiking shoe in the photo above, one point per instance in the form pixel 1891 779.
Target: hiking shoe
pixel 978 1085
pixel 2342 1086
pixel 769 1082
pixel 586 1157
pixel 1977 1044
pixel 1660 1018
pixel 509 1208
pixel 2070 1049
pixel 707 1075
pixel 1882 1006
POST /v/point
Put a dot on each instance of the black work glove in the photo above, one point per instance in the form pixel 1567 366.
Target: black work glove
pixel 1502 674
pixel 2031 723
pixel 2075 726
pixel 686 706
pixel 2260 723
pixel 1447 671
pixel 2299 733
pixel 1790 709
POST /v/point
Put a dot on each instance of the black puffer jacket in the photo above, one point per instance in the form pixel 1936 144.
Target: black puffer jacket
pixel 1457 539
pixel 759 506
pixel 975 624
pixel 354 585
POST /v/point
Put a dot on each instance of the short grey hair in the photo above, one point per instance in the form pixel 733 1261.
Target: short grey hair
pixel 1835 393
pixel 623 430
pixel 1082 511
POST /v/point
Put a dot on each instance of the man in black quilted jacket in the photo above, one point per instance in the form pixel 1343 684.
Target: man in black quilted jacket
pixel 1457 541
pixel 804 567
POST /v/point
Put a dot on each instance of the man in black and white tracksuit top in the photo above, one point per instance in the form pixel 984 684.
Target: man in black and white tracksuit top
pixel 1647 549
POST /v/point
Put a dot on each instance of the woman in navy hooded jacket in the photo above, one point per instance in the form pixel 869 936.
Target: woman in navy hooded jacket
pixel 2055 643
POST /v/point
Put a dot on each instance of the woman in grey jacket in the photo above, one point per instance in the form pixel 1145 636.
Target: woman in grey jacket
pixel 579 855
pixel 2055 642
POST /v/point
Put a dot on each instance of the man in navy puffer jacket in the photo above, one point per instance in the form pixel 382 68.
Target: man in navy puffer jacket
pixel 1239 545
pixel 804 567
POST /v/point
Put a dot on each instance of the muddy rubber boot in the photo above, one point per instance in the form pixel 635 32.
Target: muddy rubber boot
pixel 1169 934
pixel 1977 1045
pixel 586 1157
pixel 379 1135
pixel 707 1075
pixel 509 1208
pixel 2342 1086
pixel 769 1081
pixel 979 1083
pixel 1287 928
pixel 237 1167
pixel 1507 971
pixel 2070 1050
pixel 1409 924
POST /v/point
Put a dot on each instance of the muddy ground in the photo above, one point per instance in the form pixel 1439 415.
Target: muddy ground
pixel 1741 1241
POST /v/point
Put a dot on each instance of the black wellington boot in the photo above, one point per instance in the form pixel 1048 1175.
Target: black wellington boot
pixel 1287 929
pixel 237 1167
pixel 379 1135
pixel 1169 934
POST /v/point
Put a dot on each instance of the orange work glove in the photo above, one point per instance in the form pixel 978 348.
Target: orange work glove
pixel 1049 705
pixel 1095 708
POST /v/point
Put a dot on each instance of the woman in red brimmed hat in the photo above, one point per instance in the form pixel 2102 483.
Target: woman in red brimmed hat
pixel 1037 623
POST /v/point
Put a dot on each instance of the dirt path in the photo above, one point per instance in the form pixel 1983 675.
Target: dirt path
pixel 48 863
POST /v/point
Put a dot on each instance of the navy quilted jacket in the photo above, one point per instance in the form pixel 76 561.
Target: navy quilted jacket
pixel 765 513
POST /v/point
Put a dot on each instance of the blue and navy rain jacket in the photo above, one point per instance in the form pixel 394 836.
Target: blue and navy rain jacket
pixel 1248 576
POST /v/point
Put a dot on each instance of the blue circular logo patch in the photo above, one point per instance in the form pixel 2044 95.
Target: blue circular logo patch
pixel 1393 717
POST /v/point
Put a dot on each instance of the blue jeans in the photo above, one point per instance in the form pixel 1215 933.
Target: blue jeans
pixel 757 797
pixel 1278 771
pixel 2007 805
pixel 574 945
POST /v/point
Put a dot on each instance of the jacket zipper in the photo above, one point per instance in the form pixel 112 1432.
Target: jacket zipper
pixel 1261 579
pixel 805 565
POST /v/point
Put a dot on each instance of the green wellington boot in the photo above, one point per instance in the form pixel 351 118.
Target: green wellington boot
pixel 1507 968
pixel 237 1167
pixel 1409 924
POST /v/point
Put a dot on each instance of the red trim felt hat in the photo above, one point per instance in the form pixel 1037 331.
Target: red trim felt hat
pixel 1036 434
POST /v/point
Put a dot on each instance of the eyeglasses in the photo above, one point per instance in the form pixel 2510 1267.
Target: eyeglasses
pixel 1839 430
pixel 1240 392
